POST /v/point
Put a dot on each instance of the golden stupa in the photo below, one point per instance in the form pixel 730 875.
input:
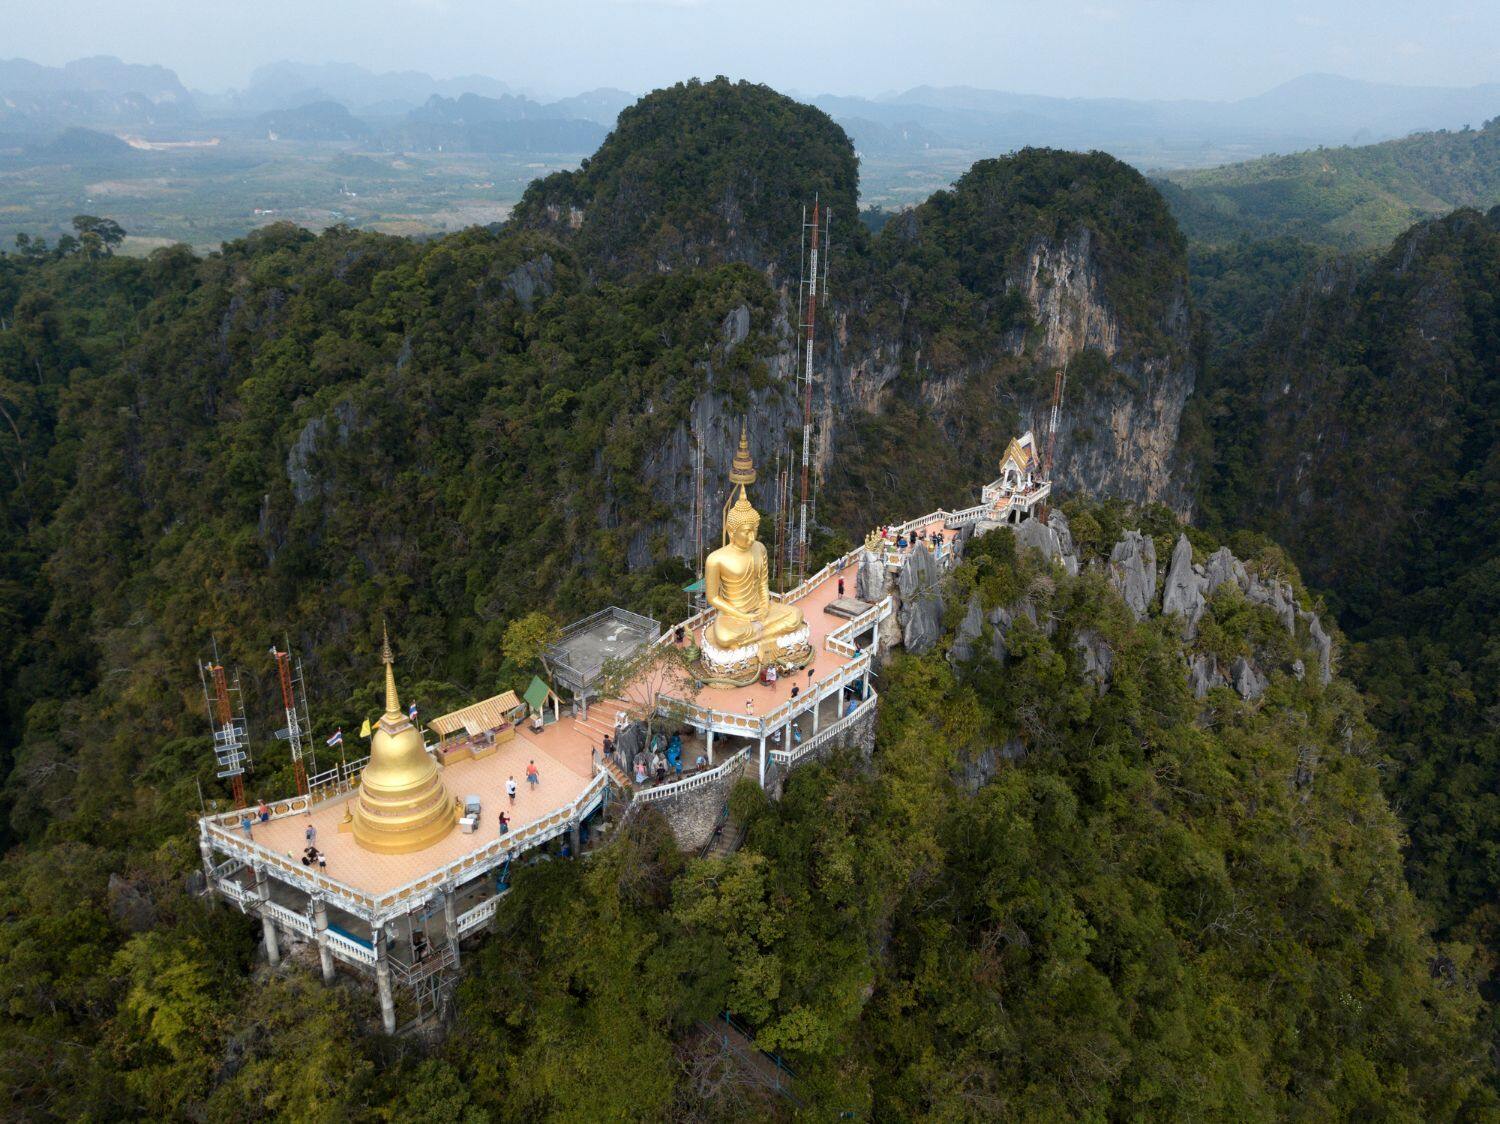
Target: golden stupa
pixel 402 804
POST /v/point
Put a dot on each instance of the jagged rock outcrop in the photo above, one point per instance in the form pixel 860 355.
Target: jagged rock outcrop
pixel 1204 674
pixel 969 630
pixel 921 601
pixel 1098 659
pixel 1247 679
pixel 1132 571
pixel 1183 593
pixel 1046 538
pixel 529 280
pixel 870 584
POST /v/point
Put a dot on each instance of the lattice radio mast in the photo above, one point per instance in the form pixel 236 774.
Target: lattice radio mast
pixel 814 257
pixel 298 725
pixel 226 719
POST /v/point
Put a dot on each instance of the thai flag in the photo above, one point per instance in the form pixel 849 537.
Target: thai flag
pixel 338 737
pixel 411 712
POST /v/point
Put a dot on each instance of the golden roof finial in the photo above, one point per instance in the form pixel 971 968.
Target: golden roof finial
pixel 392 703
pixel 742 471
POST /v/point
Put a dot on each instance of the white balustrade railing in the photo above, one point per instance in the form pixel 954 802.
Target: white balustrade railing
pixel 232 889
pixel 790 757
pixel 345 949
pixel 287 918
pixel 697 780
pixel 471 919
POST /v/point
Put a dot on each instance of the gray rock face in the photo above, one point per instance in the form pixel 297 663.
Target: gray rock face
pixel 1204 675
pixel 968 631
pixel 1223 567
pixel 1247 679
pixel 1039 536
pixel 921 601
pixel 870 580
pixel 1000 621
pixel 305 485
pixel 1324 646
pixel 529 280
pixel 1276 596
pixel 1183 593
pixel 1097 657
pixel 736 327
pixel 1132 571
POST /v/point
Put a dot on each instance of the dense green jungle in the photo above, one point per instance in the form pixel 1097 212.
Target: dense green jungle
pixel 1046 895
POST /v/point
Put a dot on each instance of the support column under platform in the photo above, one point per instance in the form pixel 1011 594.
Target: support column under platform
pixel 320 929
pixel 383 980
pixel 268 926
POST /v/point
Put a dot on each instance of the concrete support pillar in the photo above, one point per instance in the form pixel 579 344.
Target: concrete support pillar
pixel 268 926
pixel 762 758
pixel 575 837
pixel 786 736
pixel 383 980
pixel 817 712
pixel 320 930
pixel 710 740
pixel 450 921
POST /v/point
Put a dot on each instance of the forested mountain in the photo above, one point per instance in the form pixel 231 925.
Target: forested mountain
pixel 1363 431
pixel 1348 197
pixel 1051 891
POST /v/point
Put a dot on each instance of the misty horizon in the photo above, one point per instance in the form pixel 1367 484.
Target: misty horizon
pixel 1131 49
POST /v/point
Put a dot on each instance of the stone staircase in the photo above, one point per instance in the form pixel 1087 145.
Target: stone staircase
pixel 599 724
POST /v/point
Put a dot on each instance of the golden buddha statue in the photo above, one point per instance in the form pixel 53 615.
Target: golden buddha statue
pixel 749 630
pixel 402 803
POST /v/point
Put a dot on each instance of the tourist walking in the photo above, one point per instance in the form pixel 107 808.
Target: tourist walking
pixel 841 587
pixel 504 824
pixel 510 789
pixel 311 835
pixel 245 822
pixel 533 778
pixel 263 812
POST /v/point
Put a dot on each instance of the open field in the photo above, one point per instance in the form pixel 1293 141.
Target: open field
pixel 207 195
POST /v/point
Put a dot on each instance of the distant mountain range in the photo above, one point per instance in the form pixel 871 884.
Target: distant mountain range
pixel 1317 109
pixel 928 127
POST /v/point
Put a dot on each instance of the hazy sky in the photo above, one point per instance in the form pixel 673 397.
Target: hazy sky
pixel 1128 48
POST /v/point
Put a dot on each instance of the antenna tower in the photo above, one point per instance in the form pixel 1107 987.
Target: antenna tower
pixel 298 725
pixel 225 703
pixel 810 293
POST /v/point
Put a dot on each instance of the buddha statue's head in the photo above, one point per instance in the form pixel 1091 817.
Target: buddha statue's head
pixel 743 522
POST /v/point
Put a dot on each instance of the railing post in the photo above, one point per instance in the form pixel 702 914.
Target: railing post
pixel 710 740
pixel 762 758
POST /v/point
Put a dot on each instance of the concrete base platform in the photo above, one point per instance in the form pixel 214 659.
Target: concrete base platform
pixel 847 607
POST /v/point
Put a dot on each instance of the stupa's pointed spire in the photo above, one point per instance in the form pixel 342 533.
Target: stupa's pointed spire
pixel 392 702
pixel 742 471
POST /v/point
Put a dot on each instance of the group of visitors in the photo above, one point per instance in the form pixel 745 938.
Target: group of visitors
pixel 311 856
pixel 904 539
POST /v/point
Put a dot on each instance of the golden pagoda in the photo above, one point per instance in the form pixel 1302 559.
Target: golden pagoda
pixel 402 804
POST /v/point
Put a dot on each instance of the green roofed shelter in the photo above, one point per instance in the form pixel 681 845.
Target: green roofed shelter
pixel 536 696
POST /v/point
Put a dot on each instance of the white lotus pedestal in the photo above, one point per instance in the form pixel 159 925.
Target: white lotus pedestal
pixel 739 667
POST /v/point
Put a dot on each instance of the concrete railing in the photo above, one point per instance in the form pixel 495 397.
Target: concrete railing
pixel 287 918
pixel 697 780
pixel 471 919
pixel 352 951
pixel 790 757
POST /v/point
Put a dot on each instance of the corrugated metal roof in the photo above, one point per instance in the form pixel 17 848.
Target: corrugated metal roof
pixel 490 714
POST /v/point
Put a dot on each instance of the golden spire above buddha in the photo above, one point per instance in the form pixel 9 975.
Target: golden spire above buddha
pixel 402 803
pixel 749 630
